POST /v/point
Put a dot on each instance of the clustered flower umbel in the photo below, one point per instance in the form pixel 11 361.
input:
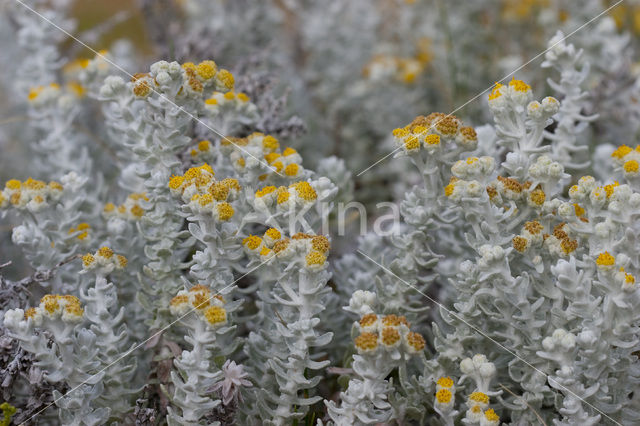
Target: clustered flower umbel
pixel 482 372
pixel 387 333
pixel 254 152
pixel 55 306
pixel 198 188
pixel 31 194
pixel 103 261
pixel 588 237
pixel 285 198
pixel 195 78
pixel 200 300
pixel 436 133
pixel 308 250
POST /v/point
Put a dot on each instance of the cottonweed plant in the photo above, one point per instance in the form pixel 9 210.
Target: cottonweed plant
pixel 171 254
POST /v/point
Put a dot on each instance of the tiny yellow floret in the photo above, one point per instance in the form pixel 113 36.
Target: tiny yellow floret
pixel 206 69
pixel 491 415
pixel 519 85
pixel 445 382
pixel 495 93
pixel 215 315
pixel 291 170
pixel 225 211
pixel 105 252
pixel 226 78
pixel 479 397
pixel 621 151
pixel 273 233
pixel 605 259
pixel 631 166
pixel 252 242
pixel 444 396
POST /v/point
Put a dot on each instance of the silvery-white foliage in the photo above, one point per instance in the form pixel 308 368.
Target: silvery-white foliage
pixel 184 267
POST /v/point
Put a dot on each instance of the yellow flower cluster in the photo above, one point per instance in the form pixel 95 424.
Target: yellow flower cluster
pixel 478 411
pixel 229 100
pixel 386 332
pixel 434 133
pixel 516 89
pixel 259 150
pixel 558 243
pixel 285 198
pixel 200 300
pixel 208 74
pixel 509 189
pixel 32 194
pixel 629 160
pixel 311 250
pixel 54 306
pixel 104 258
pixel 204 194
pixel 129 210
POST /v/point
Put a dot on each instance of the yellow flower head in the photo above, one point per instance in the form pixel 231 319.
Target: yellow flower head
pixel 320 243
pixel 394 321
pixel 520 243
pixel 366 342
pixel 519 85
pixel 270 144
pixel 226 78
pixel 252 242
pixel 621 152
pixel 390 336
pixel 315 258
pixel 122 261
pixel 291 170
pixel 631 166
pixel 416 341
pixel 206 70
pixel 105 252
pixel 14 184
pixel 305 191
pixel 176 182
pixel 610 188
pixel 280 245
pixel 87 260
pixel 265 191
pixel 495 93
pixel 225 211
pixel 491 415
pixel 605 260
pixel 289 151
pixel 411 143
pixel 537 197
pixel 432 140
pixel 215 315
pixel 444 396
pixel 479 398
pixel 273 233
pixel 400 133
pixel 445 382
pixel 368 320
